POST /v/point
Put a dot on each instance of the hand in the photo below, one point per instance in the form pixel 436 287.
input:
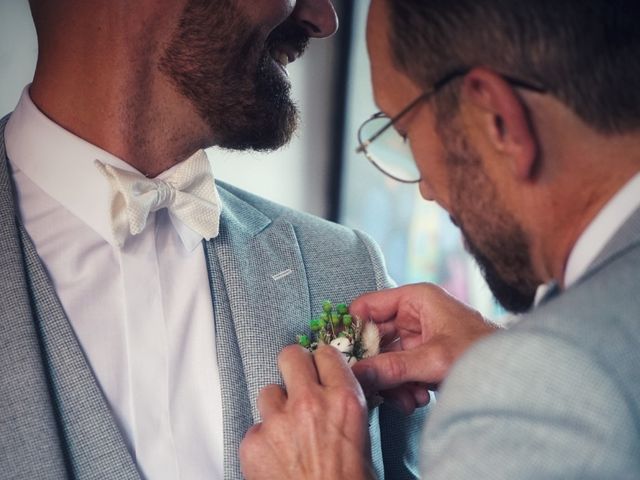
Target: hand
pixel 316 429
pixel 425 330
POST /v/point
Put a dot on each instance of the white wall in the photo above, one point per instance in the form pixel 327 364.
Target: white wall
pixel 295 176
pixel 18 50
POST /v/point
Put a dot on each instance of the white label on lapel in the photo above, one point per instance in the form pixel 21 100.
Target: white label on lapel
pixel 281 275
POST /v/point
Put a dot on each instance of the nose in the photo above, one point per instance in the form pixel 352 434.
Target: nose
pixel 426 191
pixel 317 17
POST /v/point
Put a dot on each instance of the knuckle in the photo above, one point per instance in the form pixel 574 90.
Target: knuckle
pixel 350 402
pixel 308 404
pixel 395 367
pixel 428 288
pixel 439 361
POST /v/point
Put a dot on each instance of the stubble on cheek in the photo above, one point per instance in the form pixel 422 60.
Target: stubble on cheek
pixel 493 236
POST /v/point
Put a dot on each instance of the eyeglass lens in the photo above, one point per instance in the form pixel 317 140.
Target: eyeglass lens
pixel 390 151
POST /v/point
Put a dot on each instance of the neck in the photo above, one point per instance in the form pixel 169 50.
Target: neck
pixel 577 206
pixel 578 170
pixel 112 94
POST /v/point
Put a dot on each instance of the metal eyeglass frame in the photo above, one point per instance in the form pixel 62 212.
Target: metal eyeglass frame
pixel 460 72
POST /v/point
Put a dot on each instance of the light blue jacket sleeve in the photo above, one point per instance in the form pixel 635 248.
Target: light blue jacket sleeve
pixel 531 405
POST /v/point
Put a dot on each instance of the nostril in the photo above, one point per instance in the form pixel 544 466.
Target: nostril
pixel 313 28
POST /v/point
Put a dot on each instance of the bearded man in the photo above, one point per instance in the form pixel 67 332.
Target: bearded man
pixel 143 305
pixel 524 123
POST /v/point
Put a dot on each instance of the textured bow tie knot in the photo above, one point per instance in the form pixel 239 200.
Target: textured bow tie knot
pixel 189 194
pixel 166 194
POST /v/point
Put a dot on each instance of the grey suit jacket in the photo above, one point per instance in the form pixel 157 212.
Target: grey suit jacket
pixel 54 420
pixel 557 396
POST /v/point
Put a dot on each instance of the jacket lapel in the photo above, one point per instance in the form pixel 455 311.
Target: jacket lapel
pixel 261 301
pixel 75 426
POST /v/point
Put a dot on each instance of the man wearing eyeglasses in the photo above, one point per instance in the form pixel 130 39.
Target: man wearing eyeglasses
pixel 523 119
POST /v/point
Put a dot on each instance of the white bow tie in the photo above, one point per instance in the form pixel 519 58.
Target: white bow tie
pixel 189 194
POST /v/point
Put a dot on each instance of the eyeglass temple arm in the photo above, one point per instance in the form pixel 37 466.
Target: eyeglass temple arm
pixel 460 72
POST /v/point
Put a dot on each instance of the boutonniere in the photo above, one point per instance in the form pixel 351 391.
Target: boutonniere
pixel 355 338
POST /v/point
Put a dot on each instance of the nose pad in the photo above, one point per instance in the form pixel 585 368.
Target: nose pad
pixel 317 17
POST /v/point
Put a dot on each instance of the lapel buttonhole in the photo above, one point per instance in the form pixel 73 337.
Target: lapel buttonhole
pixel 281 275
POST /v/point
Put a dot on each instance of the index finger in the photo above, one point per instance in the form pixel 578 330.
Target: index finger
pixel 379 307
pixel 333 370
pixel 297 368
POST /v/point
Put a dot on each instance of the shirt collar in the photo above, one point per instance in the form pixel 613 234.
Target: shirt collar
pixel 62 165
pixel 603 227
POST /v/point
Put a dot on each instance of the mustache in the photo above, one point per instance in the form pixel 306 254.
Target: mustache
pixel 290 34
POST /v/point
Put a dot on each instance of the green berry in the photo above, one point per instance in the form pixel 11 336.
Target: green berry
pixel 325 317
pixel 335 319
pixel 347 320
pixel 342 309
pixel 315 325
pixel 304 341
pixel 322 322
pixel 327 306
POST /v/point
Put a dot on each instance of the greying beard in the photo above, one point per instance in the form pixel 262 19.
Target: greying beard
pixel 494 238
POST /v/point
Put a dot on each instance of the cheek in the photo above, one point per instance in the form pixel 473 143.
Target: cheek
pixel 267 13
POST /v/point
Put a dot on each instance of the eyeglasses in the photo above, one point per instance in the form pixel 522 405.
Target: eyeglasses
pixel 391 153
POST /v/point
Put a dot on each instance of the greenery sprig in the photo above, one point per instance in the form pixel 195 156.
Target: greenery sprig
pixel 336 327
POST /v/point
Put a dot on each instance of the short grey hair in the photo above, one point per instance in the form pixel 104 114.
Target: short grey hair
pixel 585 52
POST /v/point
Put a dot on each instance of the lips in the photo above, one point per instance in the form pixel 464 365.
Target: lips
pixel 284 54
pixel 287 43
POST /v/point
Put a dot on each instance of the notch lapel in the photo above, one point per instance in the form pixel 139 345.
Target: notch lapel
pixel 261 301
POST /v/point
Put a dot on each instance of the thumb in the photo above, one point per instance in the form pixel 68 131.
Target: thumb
pixel 393 369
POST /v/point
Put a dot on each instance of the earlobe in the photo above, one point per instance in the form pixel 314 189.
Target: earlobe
pixel 504 120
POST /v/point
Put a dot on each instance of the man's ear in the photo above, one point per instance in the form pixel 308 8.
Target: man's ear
pixel 503 120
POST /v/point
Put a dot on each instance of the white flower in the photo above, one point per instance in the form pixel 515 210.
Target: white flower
pixel 343 345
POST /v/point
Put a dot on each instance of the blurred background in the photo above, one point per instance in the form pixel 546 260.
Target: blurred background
pixel 319 172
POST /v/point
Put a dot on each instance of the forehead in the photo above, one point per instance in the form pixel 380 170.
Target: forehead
pixel 392 89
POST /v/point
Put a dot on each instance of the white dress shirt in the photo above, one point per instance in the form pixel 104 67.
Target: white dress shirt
pixel 142 313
